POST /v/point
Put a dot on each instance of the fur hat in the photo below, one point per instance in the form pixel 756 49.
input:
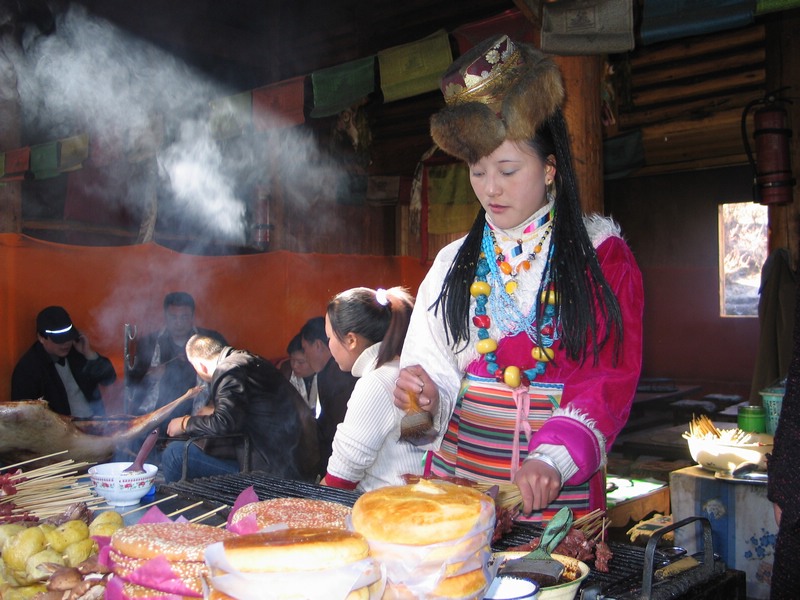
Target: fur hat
pixel 497 90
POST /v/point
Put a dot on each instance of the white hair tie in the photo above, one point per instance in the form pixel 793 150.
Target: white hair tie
pixel 382 297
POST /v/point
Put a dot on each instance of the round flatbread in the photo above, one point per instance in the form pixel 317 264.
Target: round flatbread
pixel 173 541
pixel 295 513
pixel 289 550
pixel 420 514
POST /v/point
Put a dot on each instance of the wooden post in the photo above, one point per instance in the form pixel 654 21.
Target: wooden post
pixel 783 69
pixel 582 78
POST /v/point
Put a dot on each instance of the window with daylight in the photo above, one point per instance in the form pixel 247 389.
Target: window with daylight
pixel 742 252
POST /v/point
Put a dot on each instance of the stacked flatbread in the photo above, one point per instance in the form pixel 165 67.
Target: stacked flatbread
pixel 163 559
pixel 433 538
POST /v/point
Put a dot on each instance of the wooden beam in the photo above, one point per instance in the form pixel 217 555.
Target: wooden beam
pixel 732 160
pixel 713 67
pixel 700 46
pixel 703 87
pixel 687 110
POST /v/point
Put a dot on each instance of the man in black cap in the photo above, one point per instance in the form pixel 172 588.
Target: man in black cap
pixel 62 368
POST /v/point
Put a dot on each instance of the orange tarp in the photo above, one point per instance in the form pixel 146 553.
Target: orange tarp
pixel 257 301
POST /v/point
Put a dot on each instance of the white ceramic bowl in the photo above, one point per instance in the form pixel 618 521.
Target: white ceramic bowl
pixel 564 591
pixel 716 455
pixel 122 489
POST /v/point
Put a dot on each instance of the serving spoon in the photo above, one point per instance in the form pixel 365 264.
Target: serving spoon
pixel 137 466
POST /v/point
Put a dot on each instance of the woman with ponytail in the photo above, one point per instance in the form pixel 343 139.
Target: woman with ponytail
pixel 526 341
pixel 366 329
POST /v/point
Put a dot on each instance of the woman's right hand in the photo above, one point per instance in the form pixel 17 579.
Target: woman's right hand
pixel 415 380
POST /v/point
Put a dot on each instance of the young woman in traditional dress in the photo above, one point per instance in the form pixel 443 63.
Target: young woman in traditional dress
pixel 526 340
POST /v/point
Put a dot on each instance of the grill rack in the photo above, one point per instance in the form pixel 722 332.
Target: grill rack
pixel 622 582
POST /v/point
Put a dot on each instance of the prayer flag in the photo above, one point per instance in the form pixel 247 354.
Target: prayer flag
pixel 511 23
pixel 231 116
pixel 279 105
pixel 452 204
pixel 44 160
pixel 342 86
pixel 414 68
pixel 670 19
pixel 572 27
pixel 73 151
pixel 17 163
pixel 768 6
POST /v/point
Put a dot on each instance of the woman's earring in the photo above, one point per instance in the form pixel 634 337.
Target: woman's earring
pixel 550 189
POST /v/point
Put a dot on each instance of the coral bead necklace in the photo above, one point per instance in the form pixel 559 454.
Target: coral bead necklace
pixel 491 293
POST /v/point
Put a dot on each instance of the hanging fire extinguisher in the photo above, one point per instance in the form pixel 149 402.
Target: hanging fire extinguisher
pixel 772 175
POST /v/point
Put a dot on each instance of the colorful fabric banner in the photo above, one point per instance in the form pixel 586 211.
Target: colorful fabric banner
pixel 44 160
pixel 671 19
pixel 279 105
pixel 17 163
pixel 342 86
pixel 511 23
pixel 414 68
pixel 768 6
pixel 72 152
pixel 231 116
pixel 573 27
pixel 452 204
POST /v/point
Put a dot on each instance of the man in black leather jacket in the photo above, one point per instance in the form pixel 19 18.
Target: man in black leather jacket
pixel 248 395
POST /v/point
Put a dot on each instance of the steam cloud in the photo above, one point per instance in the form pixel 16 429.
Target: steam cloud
pixel 90 76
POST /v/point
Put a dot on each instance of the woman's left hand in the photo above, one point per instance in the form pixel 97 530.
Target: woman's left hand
pixel 539 484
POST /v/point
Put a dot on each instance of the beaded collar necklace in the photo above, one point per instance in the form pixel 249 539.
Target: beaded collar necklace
pixel 504 262
pixel 491 294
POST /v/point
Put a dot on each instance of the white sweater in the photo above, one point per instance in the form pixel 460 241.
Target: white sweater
pixel 366 447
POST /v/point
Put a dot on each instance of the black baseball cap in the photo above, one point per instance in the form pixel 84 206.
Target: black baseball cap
pixel 54 323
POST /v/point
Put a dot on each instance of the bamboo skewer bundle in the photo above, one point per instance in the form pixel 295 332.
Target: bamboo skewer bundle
pixel 591 524
pixel 508 494
pixel 702 428
pixel 30 460
pixel 49 490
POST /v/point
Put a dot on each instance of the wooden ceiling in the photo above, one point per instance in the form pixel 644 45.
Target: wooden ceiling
pixel 250 43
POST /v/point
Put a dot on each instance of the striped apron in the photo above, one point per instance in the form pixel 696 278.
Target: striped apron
pixel 489 432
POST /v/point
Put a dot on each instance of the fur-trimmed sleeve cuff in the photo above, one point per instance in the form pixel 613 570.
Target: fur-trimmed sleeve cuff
pixel 586 446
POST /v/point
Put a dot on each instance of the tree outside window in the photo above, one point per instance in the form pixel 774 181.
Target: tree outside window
pixel 743 251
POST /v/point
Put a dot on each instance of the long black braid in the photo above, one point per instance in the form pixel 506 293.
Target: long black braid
pixel 573 270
